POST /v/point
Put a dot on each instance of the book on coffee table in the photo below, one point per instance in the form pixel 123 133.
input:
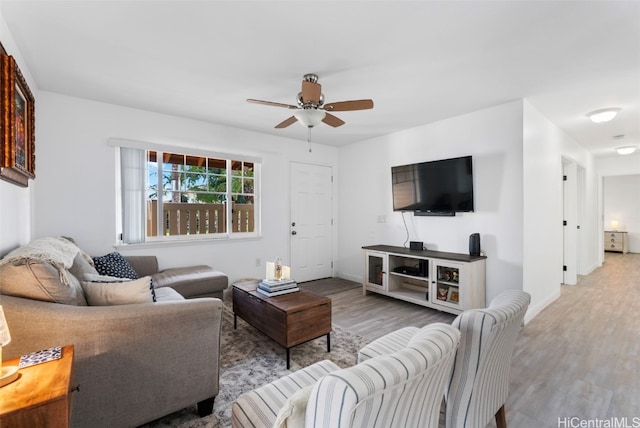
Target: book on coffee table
pixel 271 288
pixel 272 282
pixel 277 293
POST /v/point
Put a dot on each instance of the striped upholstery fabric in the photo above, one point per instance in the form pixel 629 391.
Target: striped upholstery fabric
pixel 387 344
pixel 479 385
pixel 259 408
pixel 403 389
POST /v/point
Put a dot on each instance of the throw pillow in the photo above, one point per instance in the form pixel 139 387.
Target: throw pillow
pixel 114 264
pixel 118 293
pixel 81 266
pixel 292 414
pixel 39 281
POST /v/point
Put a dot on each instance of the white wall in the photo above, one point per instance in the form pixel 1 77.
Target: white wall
pixel 619 165
pixel 494 138
pixel 15 201
pixel 517 159
pixel 622 204
pixel 76 186
pixel 545 149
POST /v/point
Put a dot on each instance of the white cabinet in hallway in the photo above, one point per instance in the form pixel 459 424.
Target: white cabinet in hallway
pixel 616 241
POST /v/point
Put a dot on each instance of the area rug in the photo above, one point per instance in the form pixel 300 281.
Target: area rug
pixel 248 359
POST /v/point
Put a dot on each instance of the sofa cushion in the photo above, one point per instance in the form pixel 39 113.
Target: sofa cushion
pixel 118 293
pixel 166 294
pixel 103 278
pixel 36 280
pixel 114 264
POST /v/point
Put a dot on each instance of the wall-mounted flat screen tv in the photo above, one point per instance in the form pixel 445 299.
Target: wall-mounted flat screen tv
pixel 436 187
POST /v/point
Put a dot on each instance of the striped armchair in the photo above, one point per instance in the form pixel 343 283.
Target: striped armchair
pixel 479 386
pixel 403 389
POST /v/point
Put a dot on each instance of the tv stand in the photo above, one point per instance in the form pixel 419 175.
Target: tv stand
pixel 449 282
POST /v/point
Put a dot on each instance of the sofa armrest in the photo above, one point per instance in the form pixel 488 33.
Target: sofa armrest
pixel 193 281
pixel 387 344
pixel 143 265
pixel 140 359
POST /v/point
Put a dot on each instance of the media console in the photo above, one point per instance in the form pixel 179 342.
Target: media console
pixel 448 282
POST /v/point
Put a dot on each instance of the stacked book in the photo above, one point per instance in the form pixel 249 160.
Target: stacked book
pixel 277 287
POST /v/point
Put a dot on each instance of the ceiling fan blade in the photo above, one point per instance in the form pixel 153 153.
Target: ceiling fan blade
pixel 271 103
pixel 349 105
pixel 287 122
pixel 311 92
pixel 331 120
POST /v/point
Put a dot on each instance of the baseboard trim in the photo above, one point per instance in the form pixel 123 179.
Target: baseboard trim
pixel 354 278
pixel 536 309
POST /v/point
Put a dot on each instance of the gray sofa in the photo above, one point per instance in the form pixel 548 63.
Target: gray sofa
pixel 134 362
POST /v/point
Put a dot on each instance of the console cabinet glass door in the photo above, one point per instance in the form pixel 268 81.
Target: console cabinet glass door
pixel 376 270
pixel 446 284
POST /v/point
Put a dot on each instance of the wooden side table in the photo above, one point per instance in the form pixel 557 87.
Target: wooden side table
pixel 41 396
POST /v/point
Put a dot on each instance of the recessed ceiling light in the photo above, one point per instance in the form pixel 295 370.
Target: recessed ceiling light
pixel 603 115
pixel 626 150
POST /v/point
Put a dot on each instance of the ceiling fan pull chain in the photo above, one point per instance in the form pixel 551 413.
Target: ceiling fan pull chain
pixel 309 139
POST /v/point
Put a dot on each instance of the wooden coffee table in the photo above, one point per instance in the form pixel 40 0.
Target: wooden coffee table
pixel 289 320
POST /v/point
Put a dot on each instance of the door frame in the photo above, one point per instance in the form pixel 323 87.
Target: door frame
pixel 334 226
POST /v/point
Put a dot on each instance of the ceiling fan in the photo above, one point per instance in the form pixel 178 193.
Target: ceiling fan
pixel 311 108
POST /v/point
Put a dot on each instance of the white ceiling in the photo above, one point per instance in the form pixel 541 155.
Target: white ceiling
pixel 420 61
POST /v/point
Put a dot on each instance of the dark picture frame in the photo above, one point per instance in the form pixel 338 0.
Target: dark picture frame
pixel 17 124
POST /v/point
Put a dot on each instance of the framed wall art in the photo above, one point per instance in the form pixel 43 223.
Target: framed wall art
pixel 17 124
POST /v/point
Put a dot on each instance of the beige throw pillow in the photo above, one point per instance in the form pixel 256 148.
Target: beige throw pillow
pixel 294 410
pixel 118 293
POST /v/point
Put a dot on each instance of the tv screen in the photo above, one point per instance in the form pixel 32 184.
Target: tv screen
pixel 443 186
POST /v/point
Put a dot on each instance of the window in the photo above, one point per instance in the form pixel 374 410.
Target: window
pixel 171 195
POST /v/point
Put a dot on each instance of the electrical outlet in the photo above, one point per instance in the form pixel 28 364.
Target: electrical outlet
pixel 258 262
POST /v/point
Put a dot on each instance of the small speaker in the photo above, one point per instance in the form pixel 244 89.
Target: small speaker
pixel 415 245
pixel 474 244
pixel 424 268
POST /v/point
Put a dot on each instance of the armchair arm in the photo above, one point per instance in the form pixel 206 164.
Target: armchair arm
pixel 387 344
pixel 134 363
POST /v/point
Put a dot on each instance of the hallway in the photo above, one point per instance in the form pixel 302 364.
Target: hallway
pixel 580 357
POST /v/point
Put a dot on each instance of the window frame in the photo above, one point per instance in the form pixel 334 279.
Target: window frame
pixel 229 158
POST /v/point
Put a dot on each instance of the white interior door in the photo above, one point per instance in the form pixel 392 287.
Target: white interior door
pixel 311 221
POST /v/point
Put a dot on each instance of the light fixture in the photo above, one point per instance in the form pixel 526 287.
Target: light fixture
pixel 7 373
pixel 614 225
pixel 626 150
pixel 309 117
pixel 603 115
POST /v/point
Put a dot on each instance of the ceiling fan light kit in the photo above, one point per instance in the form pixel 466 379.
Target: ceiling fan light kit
pixel 309 117
pixel 311 109
pixel 603 115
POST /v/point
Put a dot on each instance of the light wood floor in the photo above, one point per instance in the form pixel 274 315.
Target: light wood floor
pixel 580 357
